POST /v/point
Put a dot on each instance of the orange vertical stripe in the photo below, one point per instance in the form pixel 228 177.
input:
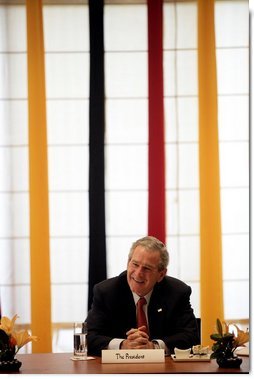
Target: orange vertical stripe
pixel 210 213
pixel 39 207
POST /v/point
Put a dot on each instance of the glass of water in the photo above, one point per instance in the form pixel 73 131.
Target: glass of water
pixel 80 343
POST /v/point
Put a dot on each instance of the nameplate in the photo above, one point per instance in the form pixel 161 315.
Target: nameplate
pixel 133 356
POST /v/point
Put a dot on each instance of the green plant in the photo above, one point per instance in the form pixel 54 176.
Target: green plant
pixel 225 341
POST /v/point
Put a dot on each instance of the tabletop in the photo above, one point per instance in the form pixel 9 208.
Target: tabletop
pixel 61 363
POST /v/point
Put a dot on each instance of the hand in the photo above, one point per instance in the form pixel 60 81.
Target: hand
pixel 137 339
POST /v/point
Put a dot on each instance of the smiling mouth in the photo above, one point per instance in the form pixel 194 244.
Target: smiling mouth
pixel 138 281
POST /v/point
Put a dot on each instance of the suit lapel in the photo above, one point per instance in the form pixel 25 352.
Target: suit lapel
pixel 156 312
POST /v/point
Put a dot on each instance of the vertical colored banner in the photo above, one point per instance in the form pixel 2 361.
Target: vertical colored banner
pixel 156 154
pixel 211 284
pixel 97 238
pixel 38 181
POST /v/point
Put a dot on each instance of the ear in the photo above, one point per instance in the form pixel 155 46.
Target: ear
pixel 162 273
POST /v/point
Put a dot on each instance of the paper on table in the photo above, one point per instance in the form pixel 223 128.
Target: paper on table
pixel 242 351
pixel 192 358
pixel 86 358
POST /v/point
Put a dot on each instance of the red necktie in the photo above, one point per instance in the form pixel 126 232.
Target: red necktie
pixel 141 317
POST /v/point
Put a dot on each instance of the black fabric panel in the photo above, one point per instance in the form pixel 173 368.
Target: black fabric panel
pixel 97 239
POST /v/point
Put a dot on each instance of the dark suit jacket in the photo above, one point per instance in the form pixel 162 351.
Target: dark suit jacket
pixel 113 313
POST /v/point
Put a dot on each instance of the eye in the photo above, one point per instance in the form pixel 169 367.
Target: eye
pixel 134 264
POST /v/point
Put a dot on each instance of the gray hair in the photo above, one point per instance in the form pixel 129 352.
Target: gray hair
pixel 152 244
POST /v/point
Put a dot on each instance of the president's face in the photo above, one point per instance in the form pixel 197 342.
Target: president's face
pixel 143 272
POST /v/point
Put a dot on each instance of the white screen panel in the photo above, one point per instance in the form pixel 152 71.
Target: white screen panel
pixel 126 167
pixel 189 258
pixel 169 73
pixel 69 303
pixel 14 217
pixel 189 212
pixel 186 21
pixel 180 73
pixel 235 247
pixel 67 75
pixel 171 155
pixel 172 244
pixel 126 74
pixel 128 32
pixel 236 300
pixel 71 254
pixel 235 210
pixel 172 211
pixel 12 28
pixel 181 119
pixel 14 169
pixel 126 213
pixel 68 122
pixel 13 121
pixel 170 126
pixel 21 261
pixel 188 166
pixel 234 164
pixel 233 118
pixel 66 28
pixel 68 168
pixel 14 76
pixel 231 77
pixel 179 25
pixel 169 26
pixel 69 214
pixel 188 119
pixel 232 23
pixel 16 300
pixel 126 121
pixel 15 263
pixel 187 81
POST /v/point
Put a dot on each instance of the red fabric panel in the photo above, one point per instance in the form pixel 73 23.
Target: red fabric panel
pixel 156 175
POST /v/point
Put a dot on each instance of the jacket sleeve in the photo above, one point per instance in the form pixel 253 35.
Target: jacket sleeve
pixel 97 321
pixel 183 330
pixel 113 313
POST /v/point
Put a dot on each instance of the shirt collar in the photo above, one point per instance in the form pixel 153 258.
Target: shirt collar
pixel 147 297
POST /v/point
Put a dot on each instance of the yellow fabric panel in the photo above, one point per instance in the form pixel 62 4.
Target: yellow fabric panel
pixel 211 286
pixel 38 166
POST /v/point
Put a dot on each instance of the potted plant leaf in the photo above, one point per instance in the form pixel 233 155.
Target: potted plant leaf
pixel 226 343
pixel 11 342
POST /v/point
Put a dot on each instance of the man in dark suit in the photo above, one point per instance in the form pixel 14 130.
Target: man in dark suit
pixel 170 319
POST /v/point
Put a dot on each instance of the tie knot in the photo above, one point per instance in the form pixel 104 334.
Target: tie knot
pixel 142 301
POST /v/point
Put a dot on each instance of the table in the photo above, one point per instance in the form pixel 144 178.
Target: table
pixel 60 363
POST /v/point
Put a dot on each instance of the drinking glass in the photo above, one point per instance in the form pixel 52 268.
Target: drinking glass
pixel 80 343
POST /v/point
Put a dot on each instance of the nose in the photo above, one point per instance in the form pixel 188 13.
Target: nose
pixel 139 270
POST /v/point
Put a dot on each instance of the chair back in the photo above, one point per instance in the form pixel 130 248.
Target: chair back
pixel 198 319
